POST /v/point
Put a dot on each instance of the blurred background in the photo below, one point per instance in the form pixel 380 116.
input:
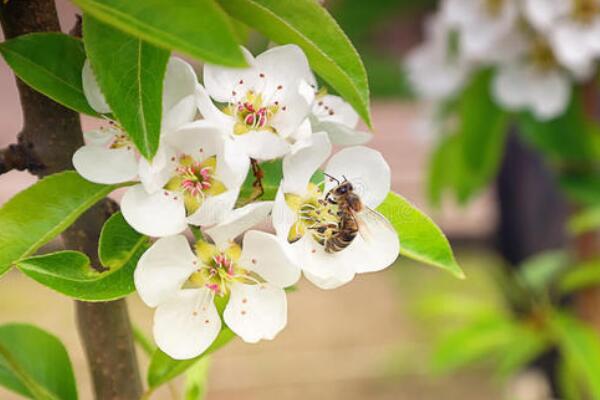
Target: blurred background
pixel 378 337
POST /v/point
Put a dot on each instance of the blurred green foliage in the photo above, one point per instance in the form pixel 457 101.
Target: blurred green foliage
pixel 503 319
pixel 361 22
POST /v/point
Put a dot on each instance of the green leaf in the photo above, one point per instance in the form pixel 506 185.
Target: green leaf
pixel 420 238
pixel 272 176
pixel 579 344
pixel 444 168
pixel 572 137
pixel 35 364
pixel 526 345
pixel 41 212
pixel 163 368
pixel 71 273
pixel 580 277
pixel 130 73
pixel 540 271
pixel 143 341
pixel 51 63
pixel 307 24
pixel 119 243
pixel 481 136
pixel 472 343
pixel 197 379
pixel 582 188
pixel 585 221
pixel 198 28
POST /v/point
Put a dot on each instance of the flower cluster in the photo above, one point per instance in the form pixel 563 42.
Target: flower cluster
pixel 323 221
pixel 537 48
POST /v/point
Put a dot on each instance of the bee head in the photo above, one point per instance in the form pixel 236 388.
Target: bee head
pixel 343 188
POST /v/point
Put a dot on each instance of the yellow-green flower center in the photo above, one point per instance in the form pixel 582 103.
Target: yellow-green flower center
pixel 494 7
pixel 585 10
pixel 314 214
pixel 195 181
pixel 541 55
pixel 253 113
pixel 218 270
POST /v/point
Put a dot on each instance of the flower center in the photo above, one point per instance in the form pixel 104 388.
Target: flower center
pixel 541 55
pixel 494 7
pixel 252 113
pixel 585 10
pixel 316 216
pixel 121 140
pixel 195 181
pixel 218 270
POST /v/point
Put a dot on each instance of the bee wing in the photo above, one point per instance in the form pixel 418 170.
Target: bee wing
pixel 368 219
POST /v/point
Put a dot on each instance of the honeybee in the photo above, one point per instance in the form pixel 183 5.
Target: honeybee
pixel 351 212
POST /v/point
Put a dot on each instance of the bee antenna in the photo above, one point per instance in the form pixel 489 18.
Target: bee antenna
pixel 345 179
pixel 332 177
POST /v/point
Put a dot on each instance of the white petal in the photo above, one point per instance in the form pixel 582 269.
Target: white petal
pixel 325 270
pixel 266 255
pixel 92 91
pixel 434 75
pixel 238 221
pixel 570 47
pixel 366 169
pixel 180 82
pixel 509 86
pixel 303 132
pixel 232 163
pixel 158 214
pixel 263 145
pixel 155 175
pixel 256 312
pixel 543 13
pixel 210 111
pixel 331 282
pixel 282 216
pixel 220 81
pixel 342 135
pixel 549 93
pixel 181 113
pixel 293 111
pixel 163 269
pixel 284 65
pixel 187 324
pixel 199 139
pixel 214 208
pixel 100 137
pixel 335 109
pixel 303 161
pixel 107 166
pixel 376 246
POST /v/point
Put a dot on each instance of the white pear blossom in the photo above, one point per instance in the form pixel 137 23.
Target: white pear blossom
pixel 195 179
pixel 261 106
pixel 335 116
pixel 534 81
pixel 182 284
pixel 573 29
pixel 483 26
pixel 437 69
pixel 308 216
pixel 109 156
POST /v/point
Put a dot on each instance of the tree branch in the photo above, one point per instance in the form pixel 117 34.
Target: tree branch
pixel 18 157
pixel 51 133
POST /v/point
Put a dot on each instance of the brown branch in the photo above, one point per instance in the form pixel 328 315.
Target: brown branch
pixel 18 157
pixel 51 133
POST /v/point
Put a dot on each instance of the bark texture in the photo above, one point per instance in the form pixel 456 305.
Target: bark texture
pixel 50 135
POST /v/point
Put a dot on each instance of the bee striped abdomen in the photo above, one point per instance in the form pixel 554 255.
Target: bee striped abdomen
pixel 344 235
